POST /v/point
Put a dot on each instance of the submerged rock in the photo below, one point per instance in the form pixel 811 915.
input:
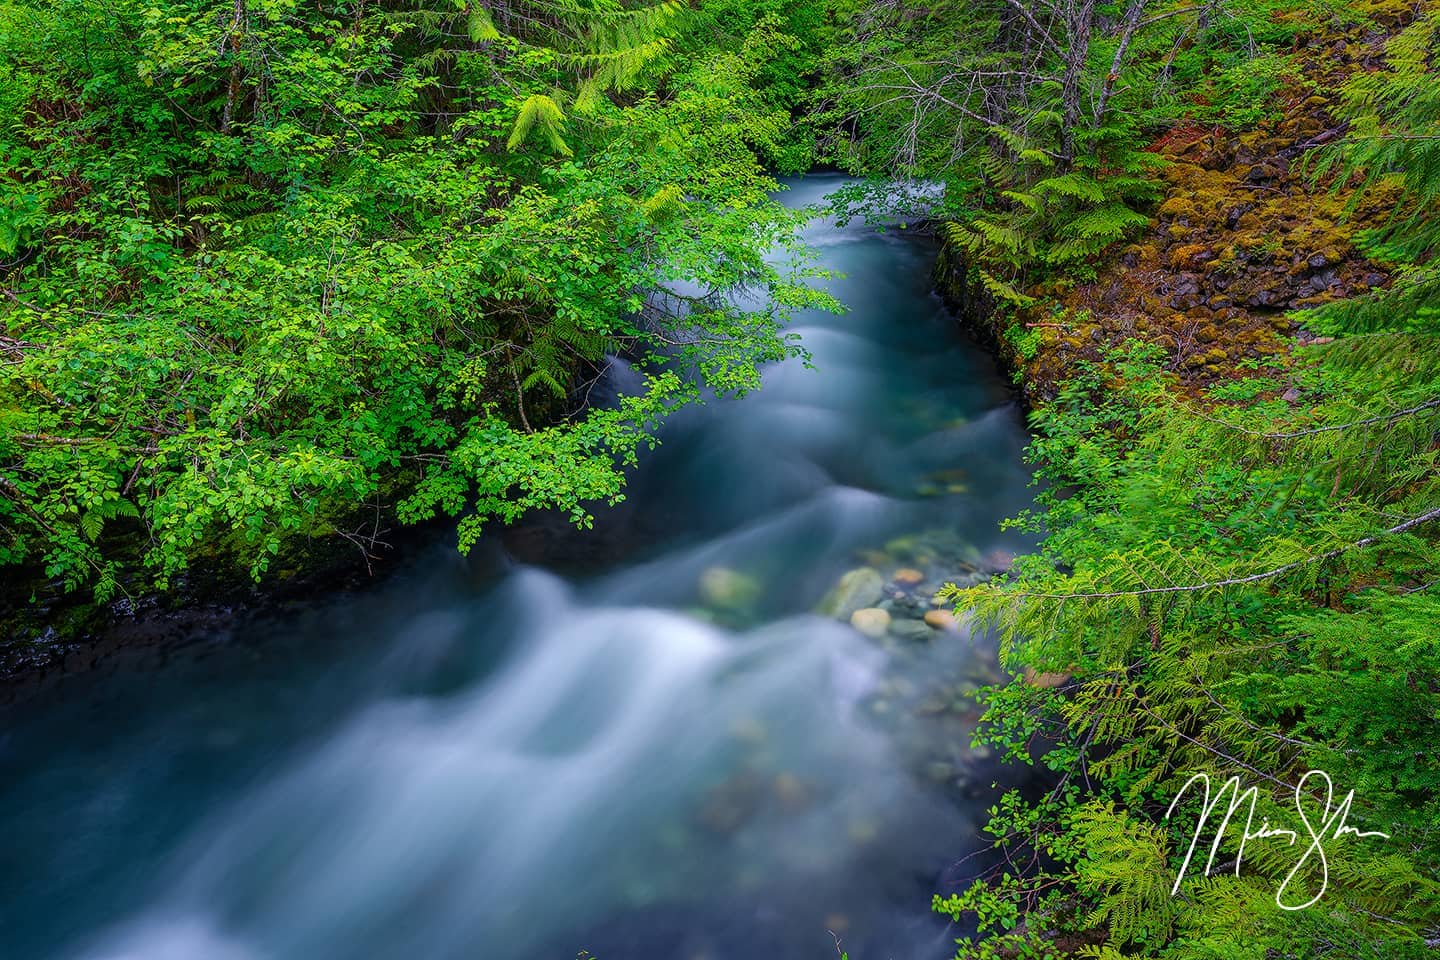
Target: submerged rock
pixel 909 607
pixel 902 546
pixel 872 558
pixel 728 806
pixel 933 706
pixel 728 589
pixel 999 560
pixel 859 588
pixel 942 620
pixel 871 621
pixel 914 631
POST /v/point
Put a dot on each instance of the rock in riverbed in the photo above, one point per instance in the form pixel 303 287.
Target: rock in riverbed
pixel 913 631
pixel 728 589
pixel 871 621
pixel 856 590
pixel 942 620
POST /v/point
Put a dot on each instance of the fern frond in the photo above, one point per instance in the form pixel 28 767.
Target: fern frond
pixel 542 112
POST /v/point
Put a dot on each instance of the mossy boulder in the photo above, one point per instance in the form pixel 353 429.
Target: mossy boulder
pixel 1177 208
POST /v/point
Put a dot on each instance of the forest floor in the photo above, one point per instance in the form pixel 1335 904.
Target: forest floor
pixel 1244 235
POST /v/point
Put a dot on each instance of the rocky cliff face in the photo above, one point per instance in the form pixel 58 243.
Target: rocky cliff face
pixel 1245 234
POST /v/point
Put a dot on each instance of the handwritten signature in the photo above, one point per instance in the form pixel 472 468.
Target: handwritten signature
pixel 1331 826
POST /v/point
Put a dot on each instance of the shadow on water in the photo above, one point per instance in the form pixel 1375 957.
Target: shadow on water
pixel 528 754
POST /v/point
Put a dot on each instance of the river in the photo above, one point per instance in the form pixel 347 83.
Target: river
pixel 653 751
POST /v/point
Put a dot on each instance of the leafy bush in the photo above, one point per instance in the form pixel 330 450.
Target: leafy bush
pixel 269 265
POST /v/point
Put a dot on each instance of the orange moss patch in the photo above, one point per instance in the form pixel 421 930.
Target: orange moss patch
pixel 1242 236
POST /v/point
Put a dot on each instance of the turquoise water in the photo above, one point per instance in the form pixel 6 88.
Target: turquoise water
pixel 642 744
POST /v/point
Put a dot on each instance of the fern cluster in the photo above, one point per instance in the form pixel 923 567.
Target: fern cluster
pixel 1049 216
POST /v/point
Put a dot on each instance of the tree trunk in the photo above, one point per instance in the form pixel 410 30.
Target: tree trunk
pixel 232 93
pixel 1079 27
pixel 1132 22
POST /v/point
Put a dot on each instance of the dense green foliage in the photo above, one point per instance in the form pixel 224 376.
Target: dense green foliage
pixel 270 265
pixel 1035 118
pixel 1239 587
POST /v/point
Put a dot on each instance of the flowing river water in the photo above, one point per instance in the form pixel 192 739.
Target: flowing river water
pixel 663 752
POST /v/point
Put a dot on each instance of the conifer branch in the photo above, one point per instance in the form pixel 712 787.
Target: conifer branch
pixel 1330 428
pixel 1240 581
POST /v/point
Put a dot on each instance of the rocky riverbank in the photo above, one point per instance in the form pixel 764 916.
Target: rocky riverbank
pixel 45 641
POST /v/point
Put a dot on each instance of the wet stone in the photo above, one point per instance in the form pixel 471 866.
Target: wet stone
pixel 912 631
pixel 871 621
pixel 941 620
pixel 858 589
pixel 728 589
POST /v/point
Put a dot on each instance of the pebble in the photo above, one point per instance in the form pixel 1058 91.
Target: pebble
pixel 871 621
pixel 908 576
pixel 856 590
pixel 942 620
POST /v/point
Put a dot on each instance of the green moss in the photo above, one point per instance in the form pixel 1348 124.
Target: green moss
pixel 1177 207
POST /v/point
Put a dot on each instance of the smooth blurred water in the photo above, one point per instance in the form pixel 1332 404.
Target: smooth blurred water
pixel 660 756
